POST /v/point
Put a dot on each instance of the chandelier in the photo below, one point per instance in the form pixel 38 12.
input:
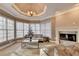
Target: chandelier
pixel 30 9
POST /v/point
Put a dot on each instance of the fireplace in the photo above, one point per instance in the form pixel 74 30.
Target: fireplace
pixel 69 36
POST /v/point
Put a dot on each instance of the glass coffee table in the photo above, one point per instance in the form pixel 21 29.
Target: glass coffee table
pixel 27 44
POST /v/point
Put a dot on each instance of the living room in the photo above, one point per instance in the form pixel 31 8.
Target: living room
pixel 31 30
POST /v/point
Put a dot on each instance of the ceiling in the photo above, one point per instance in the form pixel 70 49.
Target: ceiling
pixel 50 11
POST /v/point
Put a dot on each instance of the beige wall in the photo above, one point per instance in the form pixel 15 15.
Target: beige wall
pixel 68 21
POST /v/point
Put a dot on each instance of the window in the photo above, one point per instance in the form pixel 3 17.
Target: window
pixel 2 29
pixel 46 29
pixel 37 28
pixel 10 28
pixel 26 28
pixel 32 28
pixel 19 29
pixel 7 27
pixel 43 29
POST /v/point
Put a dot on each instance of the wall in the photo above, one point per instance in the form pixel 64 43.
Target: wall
pixel 69 21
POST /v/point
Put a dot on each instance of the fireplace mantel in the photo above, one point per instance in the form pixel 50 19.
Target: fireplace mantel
pixel 68 32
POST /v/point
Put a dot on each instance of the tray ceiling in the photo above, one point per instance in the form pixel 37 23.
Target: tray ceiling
pixel 50 11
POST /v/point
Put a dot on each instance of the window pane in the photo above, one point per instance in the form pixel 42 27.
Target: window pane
pixel 2 29
pixel 19 29
pixel 43 29
pixel 26 28
pixel 32 27
pixel 10 29
pixel 46 29
pixel 37 29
